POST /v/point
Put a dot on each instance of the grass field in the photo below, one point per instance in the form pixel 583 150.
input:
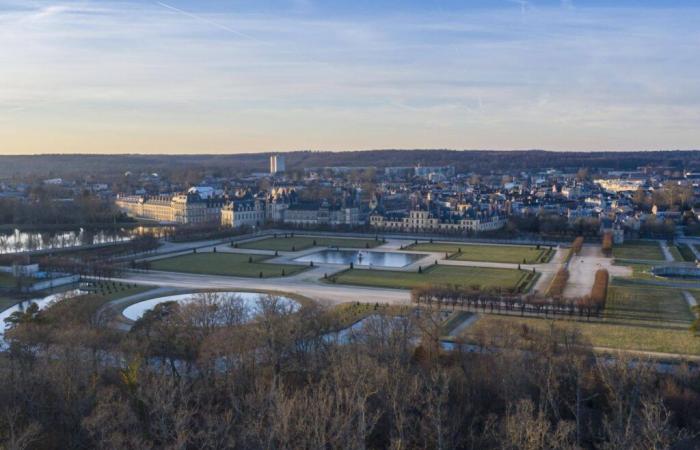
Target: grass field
pixel 487 253
pixel 639 250
pixel 298 243
pixel 227 264
pixel 6 302
pixel 640 271
pixel 647 305
pixel 675 252
pixel 7 280
pixel 107 291
pixel 465 276
pixel 599 334
pixel 686 253
pixel 637 317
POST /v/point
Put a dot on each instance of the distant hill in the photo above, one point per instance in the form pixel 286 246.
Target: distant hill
pixel 481 161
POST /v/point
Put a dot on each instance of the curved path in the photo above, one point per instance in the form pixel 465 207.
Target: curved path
pixel 305 284
pixel 310 282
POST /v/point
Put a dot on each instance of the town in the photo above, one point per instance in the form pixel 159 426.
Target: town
pixel 648 201
pixel 468 262
pixel 362 225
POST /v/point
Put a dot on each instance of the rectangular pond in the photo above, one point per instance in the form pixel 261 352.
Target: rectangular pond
pixel 361 258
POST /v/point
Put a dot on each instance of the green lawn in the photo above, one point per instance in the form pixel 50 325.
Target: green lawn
pixel 598 334
pixel 6 302
pixel 637 317
pixel 484 277
pixel 487 253
pixel 298 243
pixel 227 264
pixel 107 291
pixel 640 250
pixel 647 305
pixel 675 252
pixel 7 280
pixel 640 271
pixel 686 253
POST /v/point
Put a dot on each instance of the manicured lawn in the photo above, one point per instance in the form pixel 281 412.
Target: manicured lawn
pixel 483 277
pixel 298 243
pixel 107 291
pixel 647 305
pixel 641 250
pixel 6 302
pixel 675 253
pixel 7 280
pixel 486 253
pixel 598 334
pixel 686 253
pixel 639 271
pixel 227 264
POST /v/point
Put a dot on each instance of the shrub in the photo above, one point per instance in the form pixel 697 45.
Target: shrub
pixel 607 244
pixel 599 292
pixel 577 245
pixel 558 284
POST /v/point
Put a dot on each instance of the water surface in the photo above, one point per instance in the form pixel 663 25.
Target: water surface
pixel 361 258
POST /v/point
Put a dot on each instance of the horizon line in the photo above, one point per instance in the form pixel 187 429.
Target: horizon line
pixel 273 152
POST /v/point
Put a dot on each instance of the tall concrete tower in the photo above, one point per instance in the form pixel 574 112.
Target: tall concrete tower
pixel 277 164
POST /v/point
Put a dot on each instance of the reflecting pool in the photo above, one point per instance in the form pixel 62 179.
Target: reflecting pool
pixel 362 258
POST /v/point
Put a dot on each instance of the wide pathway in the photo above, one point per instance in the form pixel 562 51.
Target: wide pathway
pixel 306 284
pixel 582 269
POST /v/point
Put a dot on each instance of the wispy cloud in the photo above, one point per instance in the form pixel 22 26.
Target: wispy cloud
pixel 209 22
pixel 165 74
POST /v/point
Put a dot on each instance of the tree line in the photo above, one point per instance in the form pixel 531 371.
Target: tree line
pixel 199 377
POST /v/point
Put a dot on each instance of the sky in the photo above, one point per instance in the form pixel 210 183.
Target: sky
pixel 232 76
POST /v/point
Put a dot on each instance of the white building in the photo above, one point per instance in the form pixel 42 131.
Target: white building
pixel 277 164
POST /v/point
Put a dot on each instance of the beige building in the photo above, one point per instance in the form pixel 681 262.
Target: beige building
pixel 322 214
pixel 243 213
pixel 179 208
pixel 423 221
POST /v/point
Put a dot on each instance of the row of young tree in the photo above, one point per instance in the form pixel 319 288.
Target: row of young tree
pixel 503 302
pixel 183 379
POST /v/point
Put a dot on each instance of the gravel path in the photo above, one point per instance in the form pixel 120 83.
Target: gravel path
pixel 667 253
pixel 583 267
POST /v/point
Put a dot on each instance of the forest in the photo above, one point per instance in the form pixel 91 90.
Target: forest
pixel 479 161
pixel 198 376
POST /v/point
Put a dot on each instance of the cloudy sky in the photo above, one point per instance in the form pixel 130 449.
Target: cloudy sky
pixel 227 76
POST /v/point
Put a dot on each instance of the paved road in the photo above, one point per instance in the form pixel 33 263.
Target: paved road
pixel 306 284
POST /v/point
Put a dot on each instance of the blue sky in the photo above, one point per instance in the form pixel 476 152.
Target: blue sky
pixel 240 76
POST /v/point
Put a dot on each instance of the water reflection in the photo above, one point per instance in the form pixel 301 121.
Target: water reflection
pixel 361 258
pixel 22 241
